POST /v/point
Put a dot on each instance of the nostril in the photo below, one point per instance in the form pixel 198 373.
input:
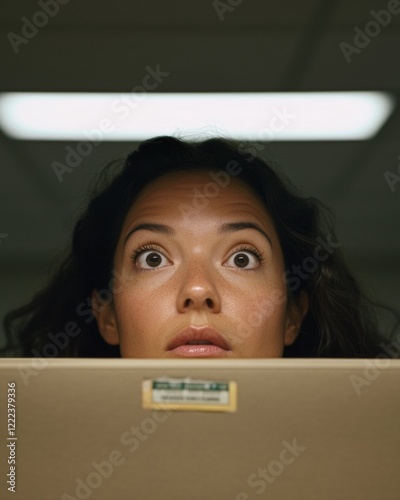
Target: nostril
pixel 190 302
pixel 210 303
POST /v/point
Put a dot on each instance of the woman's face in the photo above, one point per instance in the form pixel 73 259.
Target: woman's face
pixel 198 273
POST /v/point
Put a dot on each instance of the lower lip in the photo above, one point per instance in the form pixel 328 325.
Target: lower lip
pixel 199 351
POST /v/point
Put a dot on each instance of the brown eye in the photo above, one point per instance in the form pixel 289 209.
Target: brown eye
pixel 151 259
pixel 244 259
pixel 241 260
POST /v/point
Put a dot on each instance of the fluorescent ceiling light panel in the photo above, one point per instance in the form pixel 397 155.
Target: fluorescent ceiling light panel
pixel 298 116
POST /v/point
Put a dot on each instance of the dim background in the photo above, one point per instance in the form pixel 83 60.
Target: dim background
pixel 260 46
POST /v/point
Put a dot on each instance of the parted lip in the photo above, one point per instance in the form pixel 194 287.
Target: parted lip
pixel 202 334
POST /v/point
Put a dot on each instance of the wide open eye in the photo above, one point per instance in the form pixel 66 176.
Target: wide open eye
pixel 149 258
pixel 244 258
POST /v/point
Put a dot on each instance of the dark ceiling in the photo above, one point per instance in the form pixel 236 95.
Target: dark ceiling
pixel 258 46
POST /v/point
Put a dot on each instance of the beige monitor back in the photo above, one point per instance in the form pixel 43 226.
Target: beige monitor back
pixel 289 429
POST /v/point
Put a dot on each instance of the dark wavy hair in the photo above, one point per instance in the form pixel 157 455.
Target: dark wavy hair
pixel 341 321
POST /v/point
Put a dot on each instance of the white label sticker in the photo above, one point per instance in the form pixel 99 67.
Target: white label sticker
pixel 189 394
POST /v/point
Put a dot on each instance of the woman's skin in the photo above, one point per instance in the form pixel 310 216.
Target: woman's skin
pixel 194 280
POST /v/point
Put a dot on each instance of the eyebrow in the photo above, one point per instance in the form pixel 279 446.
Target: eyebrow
pixel 230 227
pixel 227 227
pixel 155 228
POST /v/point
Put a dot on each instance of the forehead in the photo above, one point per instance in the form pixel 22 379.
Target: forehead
pixel 199 194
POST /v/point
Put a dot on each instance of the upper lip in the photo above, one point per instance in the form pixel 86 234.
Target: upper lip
pixel 203 333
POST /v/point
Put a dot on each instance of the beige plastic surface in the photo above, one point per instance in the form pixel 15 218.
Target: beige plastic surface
pixel 304 429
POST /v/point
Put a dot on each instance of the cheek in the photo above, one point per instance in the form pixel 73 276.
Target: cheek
pixel 134 322
pixel 131 312
pixel 261 320
pixel 141 313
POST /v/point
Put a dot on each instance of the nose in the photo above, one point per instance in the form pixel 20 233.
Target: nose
pixel 198 291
